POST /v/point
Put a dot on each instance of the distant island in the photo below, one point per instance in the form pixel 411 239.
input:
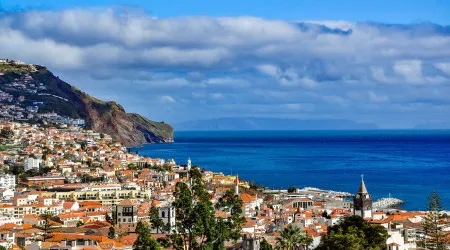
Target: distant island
pixel 256 123
pixel 433 125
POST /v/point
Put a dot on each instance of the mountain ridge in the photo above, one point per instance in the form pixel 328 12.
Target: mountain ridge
pixel 261 123
pixel 64 99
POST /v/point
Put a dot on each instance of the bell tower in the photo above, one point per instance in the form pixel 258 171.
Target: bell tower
pixel 362 202
pixel 189 164
pixel 236 186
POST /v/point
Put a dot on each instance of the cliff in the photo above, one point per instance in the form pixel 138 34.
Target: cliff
pixel 37 84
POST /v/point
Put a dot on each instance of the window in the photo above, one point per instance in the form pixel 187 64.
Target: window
pixel 163 214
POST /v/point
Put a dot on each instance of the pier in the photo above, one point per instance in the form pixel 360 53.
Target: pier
pixel 384 203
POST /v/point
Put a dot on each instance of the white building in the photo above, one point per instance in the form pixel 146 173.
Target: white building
pixel 7 181
pixel 31 163
pixel 167 215
pixel 401 238
pixel 127 212
pixel 6 194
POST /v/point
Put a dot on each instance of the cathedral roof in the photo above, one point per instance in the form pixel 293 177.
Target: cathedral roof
pixel 362 188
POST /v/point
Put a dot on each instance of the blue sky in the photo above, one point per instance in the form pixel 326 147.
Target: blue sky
pixel 386 11
pixel 385 62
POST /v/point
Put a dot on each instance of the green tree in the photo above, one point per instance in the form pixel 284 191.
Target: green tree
pixel 337 240
pixel 46 227
pixel 80 223
pixel 195 216
pixel 144 241
pixel 354 233
pixel 44 170
pixel 23 177
pixel 109 219
pixel 3 248
pixel 292 237
pixel 6 133
pixel 156 222
pixel 292 189
pixel 433 224
pixel 83 145
pixel 112 232
pixel 264 245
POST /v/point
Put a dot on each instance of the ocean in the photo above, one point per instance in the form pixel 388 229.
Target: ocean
pixel 405 164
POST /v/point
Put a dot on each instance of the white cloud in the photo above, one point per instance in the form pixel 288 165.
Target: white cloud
pixel 167 99
pixel 268 69
pixel 377 98
pixel 411 70
pixel 216 96
pixel 274 64
pixel 444 67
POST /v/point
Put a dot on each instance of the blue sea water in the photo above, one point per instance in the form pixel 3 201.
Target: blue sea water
pixel 408 164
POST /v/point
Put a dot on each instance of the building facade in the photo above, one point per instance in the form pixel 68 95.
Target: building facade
pixel 31 163
pixel 7 181
pixel 126 212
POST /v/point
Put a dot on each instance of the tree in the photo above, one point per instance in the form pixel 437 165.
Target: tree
pixel 109 219
pixel 433 224
pixel 264 245
pixel 47 226
pixel 293 237
pixel 6 133
pixel 3 248
pixel 144 241
pixel 80 223
pixel 44 170
pixel 292 189
pixel 354 233
pixel 156 222
pixel 337 240
pixel 112 232
pixel 195 216
pixel 83 145
pixel 23 177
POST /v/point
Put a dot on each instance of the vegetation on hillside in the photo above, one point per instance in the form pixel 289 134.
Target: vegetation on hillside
pixel 354 233
pixel 105 117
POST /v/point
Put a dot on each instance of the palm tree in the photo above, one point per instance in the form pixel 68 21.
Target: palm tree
pixel 293 238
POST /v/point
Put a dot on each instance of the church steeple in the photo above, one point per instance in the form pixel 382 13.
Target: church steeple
pixel 362 187
pixel 362 202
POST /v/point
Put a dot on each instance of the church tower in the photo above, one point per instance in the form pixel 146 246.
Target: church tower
pixel 362 202
pixel 236 186
pixel 189 164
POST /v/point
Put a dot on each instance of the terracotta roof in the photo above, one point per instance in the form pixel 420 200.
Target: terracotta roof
pixel 128 203
pixel 247 197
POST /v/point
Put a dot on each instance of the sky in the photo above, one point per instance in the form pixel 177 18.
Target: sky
pixel 384 62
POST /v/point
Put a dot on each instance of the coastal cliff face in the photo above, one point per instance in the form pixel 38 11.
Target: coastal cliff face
pixel 66 100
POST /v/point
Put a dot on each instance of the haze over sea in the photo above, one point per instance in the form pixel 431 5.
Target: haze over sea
pixel 408 164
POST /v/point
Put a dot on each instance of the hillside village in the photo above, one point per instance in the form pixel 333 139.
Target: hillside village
pixel 91 184
pixel 31 93
pixel 14 103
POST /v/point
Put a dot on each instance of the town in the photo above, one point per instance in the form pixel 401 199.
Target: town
pixel 63 187
pixel 18 97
